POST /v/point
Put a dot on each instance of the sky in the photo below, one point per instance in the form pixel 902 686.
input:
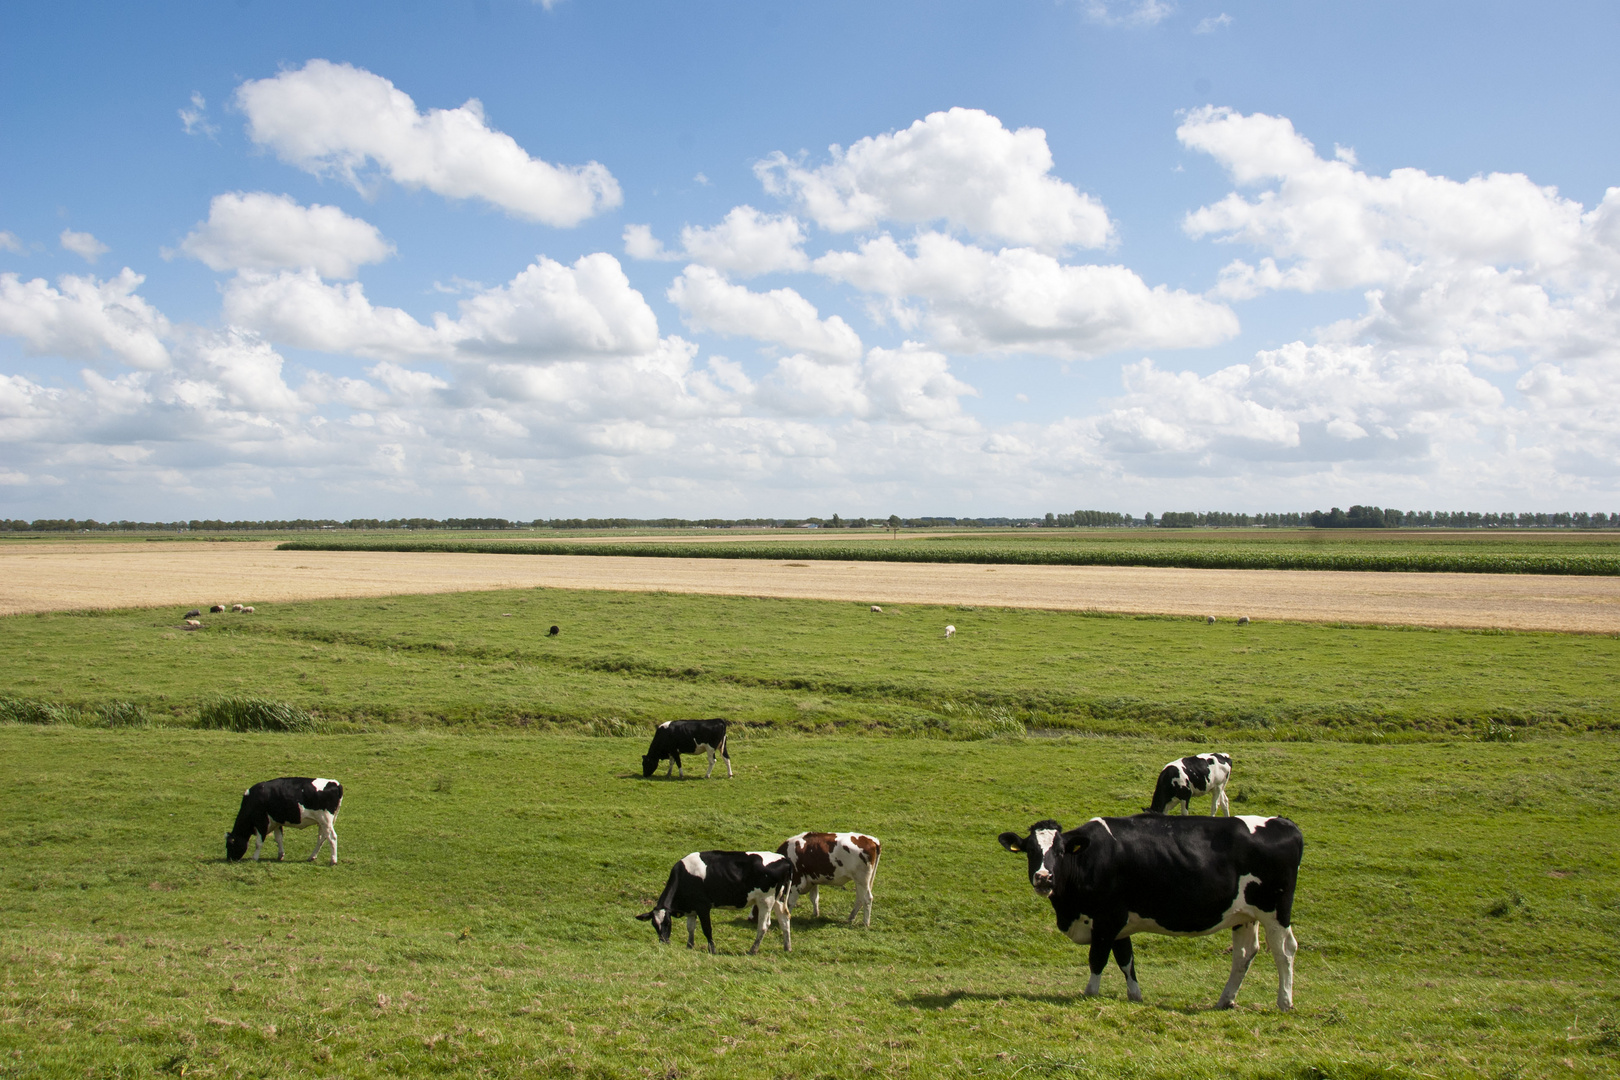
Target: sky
pixel 608 258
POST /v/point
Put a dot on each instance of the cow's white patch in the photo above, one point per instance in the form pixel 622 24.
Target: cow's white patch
pixel 321 783
pixel 664 725
pixel 1045 838
pixel 1079 931
pixel 695 866
pixel 1104 824
pixel 246 793
pixel 768 857
pixel 1253 821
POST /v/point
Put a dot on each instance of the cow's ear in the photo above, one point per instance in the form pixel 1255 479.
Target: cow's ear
pixel 1075 842
pixel 1012 842
pixel 647 917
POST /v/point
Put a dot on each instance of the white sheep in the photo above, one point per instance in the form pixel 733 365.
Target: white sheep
pixel 876 610
pixel 950 631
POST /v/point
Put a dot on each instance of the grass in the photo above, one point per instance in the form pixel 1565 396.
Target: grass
pixel 1467 551
pixel 483 660
pixel 1458 913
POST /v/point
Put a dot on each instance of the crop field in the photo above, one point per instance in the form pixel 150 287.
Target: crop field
pixel 485 660
pixel 1458 913
pixel 1395 550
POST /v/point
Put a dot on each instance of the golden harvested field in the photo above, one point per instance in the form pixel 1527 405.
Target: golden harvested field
pixel 67 576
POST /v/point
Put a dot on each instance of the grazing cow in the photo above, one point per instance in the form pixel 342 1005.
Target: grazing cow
pixel 295 802
pixel 554 631
pixel 1201 774
pixel 824 858
pixel 676 737
pixel 950 631
pixel 725 879
pixel 1183 876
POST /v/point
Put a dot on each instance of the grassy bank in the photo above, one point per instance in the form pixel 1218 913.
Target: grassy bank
pixel 1246 549
pixel 1457 914
pixel 624 660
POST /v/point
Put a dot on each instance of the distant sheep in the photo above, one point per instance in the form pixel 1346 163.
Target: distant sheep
pixel 876 610
pixel 216 609
pixel 248 610
pixel 1244 621
pixel 950 631
pixel 1209 620
pixel 193 613
pixel 193 624
pixel 238 609
pixel 554 631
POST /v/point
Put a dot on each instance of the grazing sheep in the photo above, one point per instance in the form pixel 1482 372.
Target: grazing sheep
pixel 238 609
pixel 216 609
pixel 876 610
pixel 554 631
pixel 1209 620
pixel 1243 621
pixel 950 631
pixel 193 613
pixel 248 610
pixel 193 624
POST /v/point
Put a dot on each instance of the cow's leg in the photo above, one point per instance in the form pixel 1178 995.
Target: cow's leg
pixel 680 771
pixel 258 845
pixel 1221 802
pixel 762 921
pixel 863 897
pixel 711 764
pixel 1126 959
pixel 727 755
pixel 708 931
pixel 1100 947
pixel 1283 946
pixel 787 927
pixel 281 849
pixel 668 769
pixel 331 836
pixel 815 900
pixel 1245 943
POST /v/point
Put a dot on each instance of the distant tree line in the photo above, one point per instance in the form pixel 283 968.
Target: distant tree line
pixel 1357 517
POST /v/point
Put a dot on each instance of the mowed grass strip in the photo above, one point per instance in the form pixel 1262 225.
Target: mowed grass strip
pixel 485 659
pixel 1477 552
pixel 1458 913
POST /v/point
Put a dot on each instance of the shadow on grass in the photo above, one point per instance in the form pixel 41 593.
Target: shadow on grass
pixel 941 1002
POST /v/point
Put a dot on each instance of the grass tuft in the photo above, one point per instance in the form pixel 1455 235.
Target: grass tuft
pixel 24 711
pixel 254 714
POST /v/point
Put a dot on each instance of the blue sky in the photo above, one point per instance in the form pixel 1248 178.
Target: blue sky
pixel 1132 255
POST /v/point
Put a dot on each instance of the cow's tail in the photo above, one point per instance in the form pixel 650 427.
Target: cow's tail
pixel 877 853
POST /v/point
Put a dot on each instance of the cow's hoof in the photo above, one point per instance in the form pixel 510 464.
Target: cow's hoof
pixel 1136 997
pixel 1225 1004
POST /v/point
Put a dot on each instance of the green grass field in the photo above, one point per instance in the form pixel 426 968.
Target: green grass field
pixel 1464 551
pixel 1458 913
pixel 483 660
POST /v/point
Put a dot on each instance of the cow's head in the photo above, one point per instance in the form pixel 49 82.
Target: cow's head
pixel 1044 846
pixel 661 921
pixel 649 762
pixel 235 846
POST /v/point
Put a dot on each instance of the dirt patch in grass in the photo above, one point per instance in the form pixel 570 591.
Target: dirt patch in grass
pixel 74 577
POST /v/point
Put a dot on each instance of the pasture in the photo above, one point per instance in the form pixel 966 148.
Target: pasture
pixel 1458 913
pixel 484 660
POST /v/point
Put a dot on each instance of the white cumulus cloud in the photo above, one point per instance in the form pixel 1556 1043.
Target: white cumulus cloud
pixel 85 318
pixel 84 245
pixel 258 231
pixel 709 302
pixel 746 243
pixel 332 119
pixel 960 167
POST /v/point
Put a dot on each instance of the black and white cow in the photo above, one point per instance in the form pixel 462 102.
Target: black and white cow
pixel 1184 876
pixel 823 858
pixel 725 879
pixel 295 802
pixel 676 737
pixel 1201 774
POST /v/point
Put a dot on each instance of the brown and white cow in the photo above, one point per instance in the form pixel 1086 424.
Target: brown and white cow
pixel 824 858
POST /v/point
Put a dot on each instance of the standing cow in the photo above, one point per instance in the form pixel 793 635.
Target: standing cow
pixel 1184 876
pixel 295 802
pixel 725 879
pixel 1201 774
pixel 676 737
pixel 824 858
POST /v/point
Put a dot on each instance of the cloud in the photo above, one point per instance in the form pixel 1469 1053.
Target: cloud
pixel 259 231
pixel 746 243
pixel 1019 300
pixel 84 245
pixel 295 307
pixel 332 119
pixel 960 167
pixel 85 319
pixel 909 385
pixel 1211 23
pixel 9 242
pixel 709 302
pixel 1127 12
pixel 195 119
